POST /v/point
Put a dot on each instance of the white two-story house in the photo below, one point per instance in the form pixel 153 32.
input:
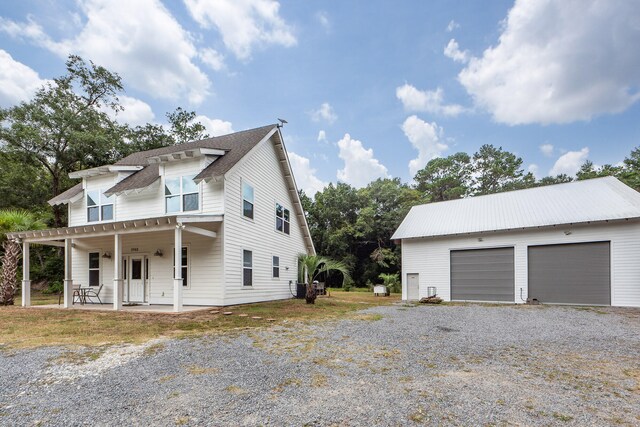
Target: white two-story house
pixel 212 222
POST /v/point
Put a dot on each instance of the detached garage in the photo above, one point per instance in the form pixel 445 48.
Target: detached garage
pixel 574 243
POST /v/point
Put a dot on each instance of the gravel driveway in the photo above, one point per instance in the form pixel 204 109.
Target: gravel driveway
pixel 394 365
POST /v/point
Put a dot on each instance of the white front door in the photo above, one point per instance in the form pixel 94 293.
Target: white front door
pixel 134 278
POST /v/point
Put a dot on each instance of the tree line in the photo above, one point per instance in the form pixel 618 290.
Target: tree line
pixel 356 225
pixel 70 124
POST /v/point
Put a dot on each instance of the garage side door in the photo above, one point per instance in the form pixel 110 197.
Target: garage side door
pixel 482 275
pixel 578 273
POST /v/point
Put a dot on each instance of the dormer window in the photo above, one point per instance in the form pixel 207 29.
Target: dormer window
pixel 99 206
pixel 181 194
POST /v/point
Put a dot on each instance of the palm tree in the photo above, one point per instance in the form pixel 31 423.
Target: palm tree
pixel 390 281
pixel 11 221
pixel 311 266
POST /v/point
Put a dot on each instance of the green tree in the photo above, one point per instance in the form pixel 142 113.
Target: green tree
pixel 445 178
pixel 65 127
pixel 183 127
pixel 385 203
pixel 631 172
pixel 391 281
pixel 495 170
pixel 312 266
pixel 588 171
pixel 11 221
pixel 24 185
pixel 558 179
pixel 332 222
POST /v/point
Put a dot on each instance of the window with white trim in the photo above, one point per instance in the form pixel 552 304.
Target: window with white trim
pixel 99 206
pixel 283 224
pixel 275 265
pixel 247 268
pixel 181 194
pixel 185 266
pixel 94 268
pixel 247 200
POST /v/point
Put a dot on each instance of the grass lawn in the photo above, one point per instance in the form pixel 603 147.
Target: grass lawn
pixel 33 327
pixel 38 298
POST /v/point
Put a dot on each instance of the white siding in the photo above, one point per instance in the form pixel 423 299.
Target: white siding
pixel 205 270
pixel 150 202
pixel 431 260
pixel 261 168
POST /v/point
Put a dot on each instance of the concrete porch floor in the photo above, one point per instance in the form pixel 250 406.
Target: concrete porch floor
pixel 153 308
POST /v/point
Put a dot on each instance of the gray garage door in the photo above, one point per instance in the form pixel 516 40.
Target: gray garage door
pixel 577 273
pixel 482 275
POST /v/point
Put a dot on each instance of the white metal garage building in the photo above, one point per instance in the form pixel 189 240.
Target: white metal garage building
pixel 574 243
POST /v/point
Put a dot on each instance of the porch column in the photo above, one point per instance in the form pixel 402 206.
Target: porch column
pixel 68 276
pixel 177 271
pixel 117 272
pixel 26 282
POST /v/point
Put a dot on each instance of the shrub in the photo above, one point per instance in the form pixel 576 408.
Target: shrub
pixel 54 287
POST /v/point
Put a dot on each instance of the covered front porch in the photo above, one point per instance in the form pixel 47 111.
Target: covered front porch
pixel 151 262
pixel 137 308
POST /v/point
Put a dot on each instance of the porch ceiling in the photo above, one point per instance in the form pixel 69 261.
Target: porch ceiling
pixel 119 227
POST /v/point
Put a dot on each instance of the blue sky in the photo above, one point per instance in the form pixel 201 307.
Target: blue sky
pixel 370 89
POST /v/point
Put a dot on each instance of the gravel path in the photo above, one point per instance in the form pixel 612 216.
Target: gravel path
pixel 395 365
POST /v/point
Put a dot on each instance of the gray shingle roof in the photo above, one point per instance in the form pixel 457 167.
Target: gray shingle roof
pixel 241 141
pixel 236 146
pixel 141 179
pixel 65 196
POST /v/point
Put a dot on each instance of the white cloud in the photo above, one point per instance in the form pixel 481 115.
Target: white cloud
pixel 432 101
pixel 570 162
pixel 139 39
pixel 18 82
pixel 559 61
pixel 452 26
pixel 322 136
pixel 452 50
pixel 212 58
pixel 305 175
pixel 360 167
pixel 32 31
pixel 324 113
pixel 243 24
pixel 136 112
pixel 547 149
pixel 426 138
pixel 533 168
pixel 323 19
pixel 215 127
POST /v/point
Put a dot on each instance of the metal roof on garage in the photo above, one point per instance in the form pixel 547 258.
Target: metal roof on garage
pixel 595 200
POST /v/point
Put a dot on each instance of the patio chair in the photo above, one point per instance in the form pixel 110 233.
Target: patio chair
pixel 90 294
pixel 76 295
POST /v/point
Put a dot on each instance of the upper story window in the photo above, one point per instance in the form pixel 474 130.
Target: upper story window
pixel 181 194
pixel 247 200
pixel 282 219
pixel 99 206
